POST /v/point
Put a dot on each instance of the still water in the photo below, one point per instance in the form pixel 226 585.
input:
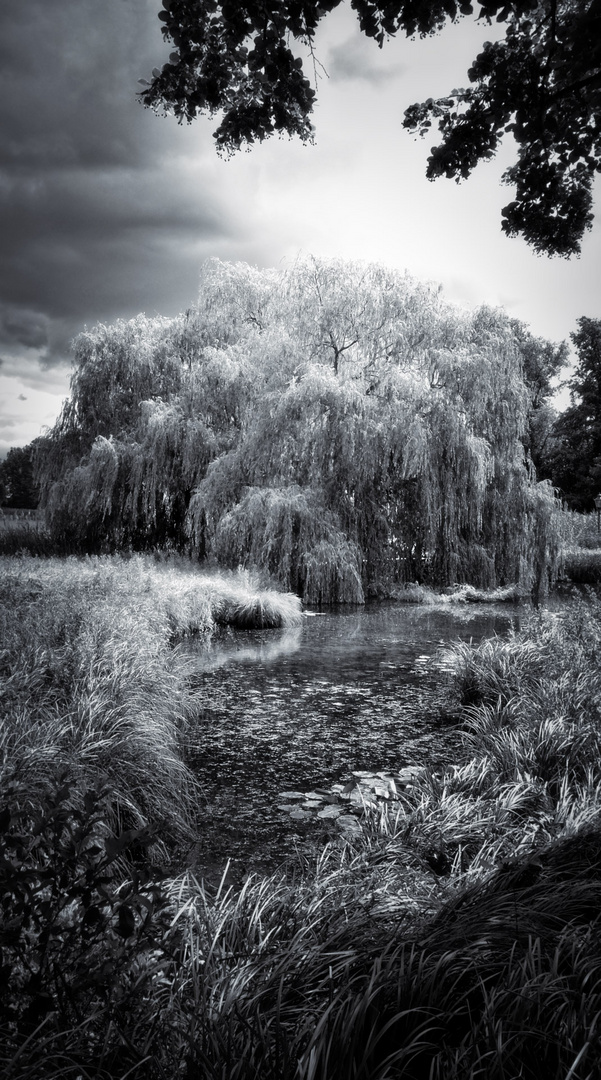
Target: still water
pixel 354 688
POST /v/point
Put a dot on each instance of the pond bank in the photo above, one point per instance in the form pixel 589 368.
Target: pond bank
pixel 456 934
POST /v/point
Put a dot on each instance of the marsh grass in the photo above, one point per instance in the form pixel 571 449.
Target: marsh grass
pixel 457 594
pixel 92 680
pixel 499 670
pixel 25 536
pixel 580 560
pixel 580 530
pixel 457 937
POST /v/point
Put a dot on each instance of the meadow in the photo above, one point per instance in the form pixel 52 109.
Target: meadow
pixel 455 935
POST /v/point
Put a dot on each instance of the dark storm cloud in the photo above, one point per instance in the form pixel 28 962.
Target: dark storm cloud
pixel 359 58
pixel 70 70
pixel 98 216
pixel 80 244
pixel 22 326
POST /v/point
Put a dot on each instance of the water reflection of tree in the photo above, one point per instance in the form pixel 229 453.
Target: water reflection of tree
pixel 264 651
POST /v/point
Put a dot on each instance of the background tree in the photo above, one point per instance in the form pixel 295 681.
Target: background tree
pixel 542 83
pixel 18 488
pixel 575 459
pixel 542 362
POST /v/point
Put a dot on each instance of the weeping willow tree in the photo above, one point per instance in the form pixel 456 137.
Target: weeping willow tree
pixel 150 408
pixel 338 425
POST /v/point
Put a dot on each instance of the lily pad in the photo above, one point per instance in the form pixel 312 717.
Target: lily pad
pixel 300 815
pixel 312 804
pixel 361 798
pixel 410 774
pixel 349 824
pixel 330 811
pixel 291 795
pixel 313 795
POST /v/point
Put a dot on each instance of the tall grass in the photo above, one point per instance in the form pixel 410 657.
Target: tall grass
pixel 458 937
pixel 580 530
pixel 25 536
pixel 582 565
pixel 91 678
pixel 581 550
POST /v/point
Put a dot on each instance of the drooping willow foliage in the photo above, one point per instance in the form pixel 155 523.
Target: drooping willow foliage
pixel 337 424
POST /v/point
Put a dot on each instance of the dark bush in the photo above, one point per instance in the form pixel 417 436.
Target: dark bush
pixel 81 945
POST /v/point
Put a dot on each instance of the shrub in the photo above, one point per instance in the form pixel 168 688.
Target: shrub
pixel 82 948
pixel 582 565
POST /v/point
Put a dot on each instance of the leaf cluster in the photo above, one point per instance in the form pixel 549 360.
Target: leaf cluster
pixel 81 947
pixel 542 83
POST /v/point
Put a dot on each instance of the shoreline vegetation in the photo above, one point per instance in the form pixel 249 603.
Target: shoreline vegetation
pixel 455 935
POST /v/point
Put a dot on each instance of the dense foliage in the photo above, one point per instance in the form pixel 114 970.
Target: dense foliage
pixel 337 425
pixel 542 83
pixel 18 488
pixel 574 456
pixel 82 950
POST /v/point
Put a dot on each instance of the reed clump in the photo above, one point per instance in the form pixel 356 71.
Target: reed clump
pixel 29 537
pixel 456 594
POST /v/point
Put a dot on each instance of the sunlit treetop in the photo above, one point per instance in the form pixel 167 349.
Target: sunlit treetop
pixel 542 83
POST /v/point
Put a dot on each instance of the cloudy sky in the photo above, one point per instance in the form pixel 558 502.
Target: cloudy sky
pixel 107 210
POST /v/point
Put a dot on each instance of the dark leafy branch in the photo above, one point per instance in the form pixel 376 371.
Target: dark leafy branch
pixel 542 83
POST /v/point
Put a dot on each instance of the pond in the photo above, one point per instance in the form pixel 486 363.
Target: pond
pixel 351 688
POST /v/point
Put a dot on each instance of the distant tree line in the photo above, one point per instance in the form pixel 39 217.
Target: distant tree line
pixel 338 425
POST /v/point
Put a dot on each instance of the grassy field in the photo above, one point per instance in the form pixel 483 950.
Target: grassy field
pixel 457 936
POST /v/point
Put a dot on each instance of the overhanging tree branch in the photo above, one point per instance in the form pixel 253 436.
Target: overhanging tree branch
pixel 238 60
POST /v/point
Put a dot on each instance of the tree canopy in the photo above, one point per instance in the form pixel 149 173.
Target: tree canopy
pixel 541 83
pixel 338 425
pixel 574 461
pixel 18 489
